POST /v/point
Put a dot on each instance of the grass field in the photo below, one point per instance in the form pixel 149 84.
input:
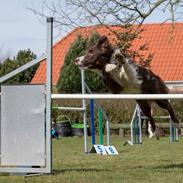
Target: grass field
pixel 154 161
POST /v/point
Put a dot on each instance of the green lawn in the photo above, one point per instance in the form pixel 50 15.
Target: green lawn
pixel 154 161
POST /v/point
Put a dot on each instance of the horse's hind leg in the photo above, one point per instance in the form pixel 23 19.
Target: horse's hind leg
pixel 146 109
pixel 165 104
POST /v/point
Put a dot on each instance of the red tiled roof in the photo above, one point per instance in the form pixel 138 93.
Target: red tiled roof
pixel 167 48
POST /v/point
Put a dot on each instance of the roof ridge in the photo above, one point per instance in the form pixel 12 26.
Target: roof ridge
pixel 100 25
pixel 66 36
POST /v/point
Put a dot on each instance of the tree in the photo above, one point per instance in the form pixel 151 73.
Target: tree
pixel 7 66
pixel 70 74
pixel 69 14
pixel 75 13
pixel 22 58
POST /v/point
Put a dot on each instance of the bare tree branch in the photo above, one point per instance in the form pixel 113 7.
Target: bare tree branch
pixel 4 54
pixel 70 14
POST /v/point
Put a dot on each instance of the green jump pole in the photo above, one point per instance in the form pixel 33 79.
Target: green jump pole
pixel 100 127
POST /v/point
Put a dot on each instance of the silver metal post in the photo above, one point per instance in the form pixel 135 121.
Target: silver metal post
pixel 171 134
pixel 131 126
pixel 84 112
pixel 108 132
pixel 48 93
pixel 132 142
pixel 22 68
pixel 139 124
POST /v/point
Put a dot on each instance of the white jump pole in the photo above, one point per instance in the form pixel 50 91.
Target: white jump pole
pixel 84 111
pixel 118 96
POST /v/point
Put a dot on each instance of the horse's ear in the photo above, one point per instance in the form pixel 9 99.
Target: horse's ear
pixel 103 42
pixel 102 39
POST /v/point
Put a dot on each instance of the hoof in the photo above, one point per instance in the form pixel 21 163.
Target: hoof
pixel 152 134
pixel 157 133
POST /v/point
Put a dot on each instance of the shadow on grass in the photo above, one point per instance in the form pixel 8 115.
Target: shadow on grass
pixel 170 166
pixel 79 170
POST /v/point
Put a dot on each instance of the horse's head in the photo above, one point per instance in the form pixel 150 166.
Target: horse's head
pixel 97 55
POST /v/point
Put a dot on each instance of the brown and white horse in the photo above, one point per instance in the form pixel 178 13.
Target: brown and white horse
pixel 122 75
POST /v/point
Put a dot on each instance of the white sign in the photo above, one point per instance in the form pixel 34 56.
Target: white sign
pixel 100 149
pixel 104 150
pixel 111 150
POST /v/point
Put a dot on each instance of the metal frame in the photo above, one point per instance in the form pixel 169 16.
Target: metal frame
pixel 48 142
pixel 85 88
pixel 174 135
pixel 48 94
pixel 81 109
pixel 84 113
pixel 136 113
pixel 104 114
pixel 131 126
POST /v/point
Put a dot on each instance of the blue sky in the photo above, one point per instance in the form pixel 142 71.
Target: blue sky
pixel 20 29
